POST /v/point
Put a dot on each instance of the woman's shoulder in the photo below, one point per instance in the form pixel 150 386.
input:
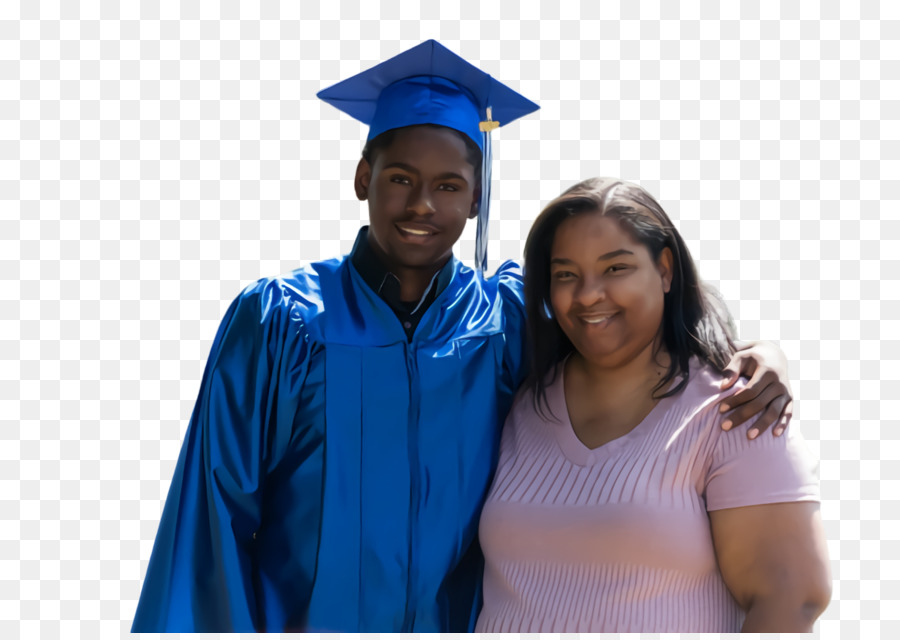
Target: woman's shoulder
pixel 694 411
pixel 704 386
pixel 531 407
pixel 705 392
pixel 532 424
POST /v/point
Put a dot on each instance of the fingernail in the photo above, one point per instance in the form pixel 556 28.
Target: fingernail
pixel 779 431
pixel 726 425
pixel 753 433
pixel 723 408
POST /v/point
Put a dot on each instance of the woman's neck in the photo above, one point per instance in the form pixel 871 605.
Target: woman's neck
pixel 643 372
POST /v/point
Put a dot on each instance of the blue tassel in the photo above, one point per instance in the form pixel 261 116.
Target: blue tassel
pixel 481 237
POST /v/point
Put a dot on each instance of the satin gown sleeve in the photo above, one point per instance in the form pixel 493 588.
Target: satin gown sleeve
pixel 515 357
pixel 200 576
pixel 464 584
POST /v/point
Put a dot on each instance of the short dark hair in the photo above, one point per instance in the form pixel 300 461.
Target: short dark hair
pixel 695 320
pixel 384 140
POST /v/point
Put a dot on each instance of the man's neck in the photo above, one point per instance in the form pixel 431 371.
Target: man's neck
pixel 405 284
pixel 414 281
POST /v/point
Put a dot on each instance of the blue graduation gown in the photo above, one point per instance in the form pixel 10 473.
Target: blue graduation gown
pixel 333 473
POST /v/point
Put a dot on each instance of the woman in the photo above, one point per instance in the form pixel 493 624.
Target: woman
pixel 619 504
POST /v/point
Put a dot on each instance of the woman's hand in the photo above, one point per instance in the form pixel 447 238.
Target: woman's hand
pixel 768 390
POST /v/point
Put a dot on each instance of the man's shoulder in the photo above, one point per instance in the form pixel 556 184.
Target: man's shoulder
pixel 507 276
pixel 509 270
pixel 510 284
pixel 298 292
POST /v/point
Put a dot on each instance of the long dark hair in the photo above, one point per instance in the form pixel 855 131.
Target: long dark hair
pixel 695 320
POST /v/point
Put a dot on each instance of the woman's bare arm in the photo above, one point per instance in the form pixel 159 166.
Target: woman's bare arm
pixel 774 560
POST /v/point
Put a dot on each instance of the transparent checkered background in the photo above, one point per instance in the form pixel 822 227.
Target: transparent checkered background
pixel 154 160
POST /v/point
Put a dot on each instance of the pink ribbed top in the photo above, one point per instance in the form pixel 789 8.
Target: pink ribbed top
pixel 617 539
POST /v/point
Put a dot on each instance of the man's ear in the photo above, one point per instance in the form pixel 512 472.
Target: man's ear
pixel 473 212
pixel 664 265
pixel 362 179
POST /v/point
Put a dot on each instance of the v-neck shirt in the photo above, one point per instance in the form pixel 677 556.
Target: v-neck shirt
pixel 617 538
pixel 578 452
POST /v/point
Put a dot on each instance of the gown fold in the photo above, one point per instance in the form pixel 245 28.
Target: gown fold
pixel 333 472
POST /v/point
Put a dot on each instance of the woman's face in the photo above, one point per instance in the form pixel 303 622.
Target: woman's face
pixel 606 291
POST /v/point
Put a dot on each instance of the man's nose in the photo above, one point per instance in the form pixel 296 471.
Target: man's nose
pixel 420 200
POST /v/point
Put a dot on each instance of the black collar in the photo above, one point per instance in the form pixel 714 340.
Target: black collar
pixel 387 285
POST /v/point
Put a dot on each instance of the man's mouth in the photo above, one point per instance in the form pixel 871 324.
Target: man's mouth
pixel 416 231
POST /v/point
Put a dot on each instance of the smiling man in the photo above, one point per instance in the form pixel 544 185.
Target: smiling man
pixel 421 184
pixel 348 421
pixel 347 425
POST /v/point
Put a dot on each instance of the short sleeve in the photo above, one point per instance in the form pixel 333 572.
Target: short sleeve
pixel 765 470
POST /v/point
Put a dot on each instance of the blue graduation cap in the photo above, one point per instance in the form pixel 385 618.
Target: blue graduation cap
pixel 429 84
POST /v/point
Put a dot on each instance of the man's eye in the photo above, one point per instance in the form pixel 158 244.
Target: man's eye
pixel 617 268
pixel 400 179
pixel 448 187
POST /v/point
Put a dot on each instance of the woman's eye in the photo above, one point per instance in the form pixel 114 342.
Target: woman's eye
pixel 563 275
pixel 617 268
pixel 448 187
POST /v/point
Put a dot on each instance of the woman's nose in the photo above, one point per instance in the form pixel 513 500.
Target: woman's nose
pixel 590 291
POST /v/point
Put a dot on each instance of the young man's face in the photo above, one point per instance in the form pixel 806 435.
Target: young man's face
pixel 421 190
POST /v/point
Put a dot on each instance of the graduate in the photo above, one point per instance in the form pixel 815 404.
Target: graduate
pixel 348 420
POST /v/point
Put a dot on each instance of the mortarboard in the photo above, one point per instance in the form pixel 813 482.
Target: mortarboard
pixel 429 84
